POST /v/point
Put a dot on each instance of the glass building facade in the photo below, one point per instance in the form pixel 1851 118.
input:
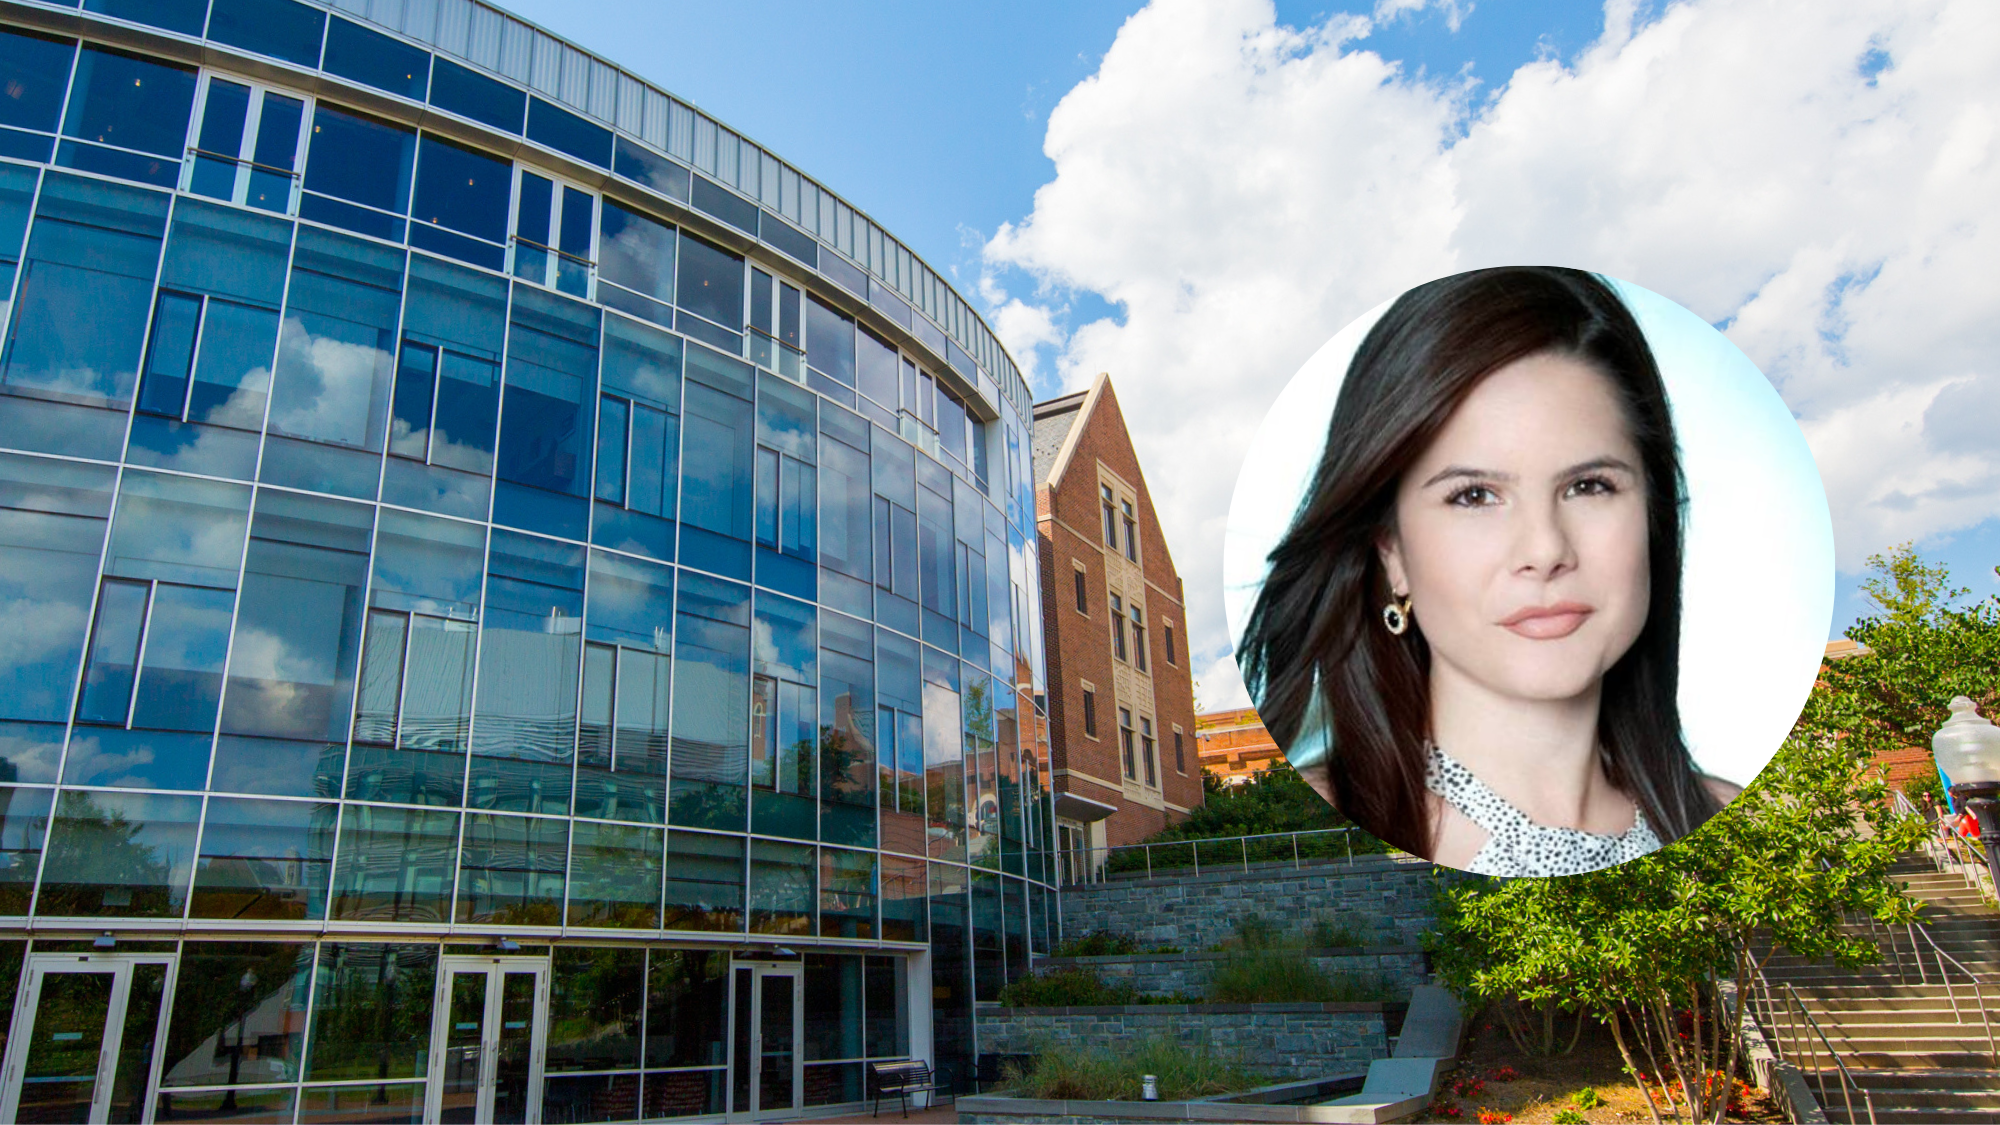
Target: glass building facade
pixel 515 603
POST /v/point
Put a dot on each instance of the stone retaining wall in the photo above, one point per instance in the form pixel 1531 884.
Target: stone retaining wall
pixel 1278 1040
pixel 1387 899
pixel 1399 968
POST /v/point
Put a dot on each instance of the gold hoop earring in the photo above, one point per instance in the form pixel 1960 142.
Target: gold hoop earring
pixel 1396 616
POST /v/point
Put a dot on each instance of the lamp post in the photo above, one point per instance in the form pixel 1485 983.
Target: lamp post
pixel 244 986
pixel 1967 748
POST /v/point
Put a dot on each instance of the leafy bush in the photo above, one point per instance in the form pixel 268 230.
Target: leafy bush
pixel 1109 1075
pixel 1276 976
pixel 1254 931
pixel 1587 1098
pixel 1276 799
pixel 1069 988
pixel 1097 943
pixel 1335 931
pixel 1570 1115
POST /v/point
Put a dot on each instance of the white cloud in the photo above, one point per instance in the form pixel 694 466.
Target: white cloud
pixel 1818 178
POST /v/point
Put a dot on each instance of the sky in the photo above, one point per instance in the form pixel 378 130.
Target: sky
pixel 1194 195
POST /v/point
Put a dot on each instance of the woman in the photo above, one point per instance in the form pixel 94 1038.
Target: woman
pixel 1476 610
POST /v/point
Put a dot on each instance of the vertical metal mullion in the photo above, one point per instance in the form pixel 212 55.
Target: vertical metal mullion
pixel 284 307
pixel 437 388
pixel 69 88
pixel 194 354
pixel 139 653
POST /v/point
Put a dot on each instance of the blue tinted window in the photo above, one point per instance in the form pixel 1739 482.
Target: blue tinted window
pixel 566 132
pixel 462 189
pixel 545 431
pixel 338 348
pixel 233 375
pixel 716 479
pixel 259 859
pixel 360 159
pixel 227 253
pixel 119 854
pixel 468 93
pixel 612 420
pixel 788 238
pixel 655 171
pixel 178 529
pixel 106 696
pixel 276 152
pixel 184 16
pixel 50 537
pixel 637 252
pixel 180 675
pixel 34 72
pixel 394 865
pixel 642 363
pixel 724 204
pixel 221 133
pixel 711 731
pixel 367 56
pixel 530 650
pixel 462 314
pixel 847 724
pixel 511 870
pixel 830 340
pixel 711 282
pixel 298 631
pixel 163 384
pixel 117 163
pixel 86 291
pixel 133 103
pixel 285 29
pixel 428 565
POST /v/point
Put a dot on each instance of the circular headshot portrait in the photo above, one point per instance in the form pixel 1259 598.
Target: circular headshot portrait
pixel 1529 571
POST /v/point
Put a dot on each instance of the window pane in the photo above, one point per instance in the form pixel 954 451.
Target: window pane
pixel 597 998
pixel 52 520
pixel 888 1007
pixel 24 820
pixel 226 252
pixel 276 153
pixel 611 440
pixel 410 408
pixel 546 430
pixel 395 865
pixel 119 855
pixel 298 632
pixel 711 282
pixel 716 480
pixel 655 453
pixel 944 757
pixel 234 373
pixel 781 888
pixel 360 159
pixel 614 876
pixel 467 92
pixel 704 882
pixel 239 1012
pixel 130 102
pixel 512 869
pixel 847 731
pixel 163 383
pixel 372 1011
pixel 711 729
pixel 642 363
pixel 353 51
pixel 464 190
pixel 114 653
pixel 338 348
pixel 283 28
pixel 833 1006
pixel 180 675
pixel 222 119
pixel 847 893
pixel 621 771
pixel 264 859
pixel 39 69
pixel 523 736
pixel 687 1008
pixel 830 340
pixel 844 535
pixel 85 291
pixel 178 529
pixel 876 369
pixel 566 132
pixel 903 915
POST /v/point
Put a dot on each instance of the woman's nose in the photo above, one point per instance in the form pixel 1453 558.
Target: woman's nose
pixel 1543 544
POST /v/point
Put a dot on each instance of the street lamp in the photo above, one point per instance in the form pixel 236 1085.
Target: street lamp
pixel 1967 748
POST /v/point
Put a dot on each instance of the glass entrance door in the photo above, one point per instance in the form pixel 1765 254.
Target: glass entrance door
pixel 492 1018
pixel 768 1067
pixel 87 1029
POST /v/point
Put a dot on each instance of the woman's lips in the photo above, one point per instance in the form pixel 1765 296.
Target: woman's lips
pixel 1547 622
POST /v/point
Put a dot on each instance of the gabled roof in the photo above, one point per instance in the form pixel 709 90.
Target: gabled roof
pixel 1056 426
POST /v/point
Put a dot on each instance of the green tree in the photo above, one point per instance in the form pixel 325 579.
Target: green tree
pixel 1923 646
pixel 1275 800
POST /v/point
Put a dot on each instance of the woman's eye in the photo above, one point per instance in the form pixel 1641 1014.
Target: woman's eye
pixel 1473 496
pixel 1591 486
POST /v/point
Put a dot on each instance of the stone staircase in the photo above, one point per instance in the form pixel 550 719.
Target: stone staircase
pixel 1919 1047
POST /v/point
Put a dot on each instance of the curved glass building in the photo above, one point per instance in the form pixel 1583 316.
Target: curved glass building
pixel 515 603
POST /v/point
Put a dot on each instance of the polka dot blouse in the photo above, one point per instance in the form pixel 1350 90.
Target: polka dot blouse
pixel 1517 846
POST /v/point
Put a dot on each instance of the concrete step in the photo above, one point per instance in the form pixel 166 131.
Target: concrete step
pixel 1893 1081
pixel 1853 1014
pixel 1846 989
pixel 1969 1033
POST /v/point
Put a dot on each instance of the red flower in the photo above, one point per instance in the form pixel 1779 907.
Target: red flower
pixel 1494 1117
pixel 1505 1074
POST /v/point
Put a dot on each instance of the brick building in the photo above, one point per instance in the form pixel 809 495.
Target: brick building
pixel 1233 744
pixel 1121 699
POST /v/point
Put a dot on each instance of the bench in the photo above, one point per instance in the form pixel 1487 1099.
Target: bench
pixel 901 1079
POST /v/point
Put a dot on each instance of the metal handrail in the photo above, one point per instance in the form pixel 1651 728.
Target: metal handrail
pixel 1950 852
pixel 1801 1046
pixel 1092 865
pixel 1978 990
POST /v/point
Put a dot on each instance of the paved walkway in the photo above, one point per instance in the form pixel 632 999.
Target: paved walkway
pixel 946 1114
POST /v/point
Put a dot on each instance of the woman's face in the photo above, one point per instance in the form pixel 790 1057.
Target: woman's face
pixel 1520 534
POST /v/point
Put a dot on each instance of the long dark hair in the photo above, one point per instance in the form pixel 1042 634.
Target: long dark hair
pixel 1314 652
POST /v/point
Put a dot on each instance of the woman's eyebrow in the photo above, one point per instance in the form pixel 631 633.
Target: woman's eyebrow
pixel 1450 472
pixel 1600 463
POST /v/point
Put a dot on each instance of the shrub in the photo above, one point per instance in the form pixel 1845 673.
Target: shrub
pixel 1111 1075
pixel 1067 988
pixel 1097 943
pixel 1254 931
pixel 1587 1098
pixel 1272 976
pixel 1570 1115
pixel 1335 931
